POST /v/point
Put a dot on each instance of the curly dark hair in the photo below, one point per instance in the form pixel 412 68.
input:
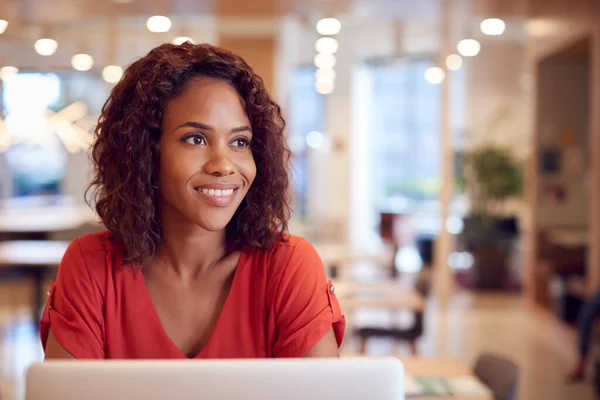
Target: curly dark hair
pixel 125 154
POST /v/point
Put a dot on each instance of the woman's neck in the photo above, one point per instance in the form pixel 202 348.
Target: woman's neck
pixel 187 249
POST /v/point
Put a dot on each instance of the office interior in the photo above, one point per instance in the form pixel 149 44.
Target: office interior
pixel 450 140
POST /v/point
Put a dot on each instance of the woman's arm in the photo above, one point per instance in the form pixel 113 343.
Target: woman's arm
pixel 54 350
pixel 326 347
pixel 308 318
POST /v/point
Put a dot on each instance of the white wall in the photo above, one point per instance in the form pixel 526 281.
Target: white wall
pixel 496 97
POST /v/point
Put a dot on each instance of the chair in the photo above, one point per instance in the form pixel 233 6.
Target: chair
pixel 410 334
pixel 499 374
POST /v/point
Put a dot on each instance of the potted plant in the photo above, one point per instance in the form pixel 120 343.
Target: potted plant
pixel 492 176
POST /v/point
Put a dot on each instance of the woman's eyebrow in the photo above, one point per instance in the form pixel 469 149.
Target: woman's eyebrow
pixel 200 125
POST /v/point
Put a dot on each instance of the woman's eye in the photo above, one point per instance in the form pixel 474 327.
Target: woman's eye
pixel 241 142
pixel 195 140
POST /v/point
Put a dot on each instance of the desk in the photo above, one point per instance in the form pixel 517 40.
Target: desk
pixel 391 295
pixel 436 366
pixel 36 258
pixel 41 220
pixel 335 256
pixel 442 367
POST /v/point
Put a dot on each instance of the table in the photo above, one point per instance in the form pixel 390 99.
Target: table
pixel 436 366
pixel 335 256
pixel 443 367
pixel 355 294
pixel 38 221
pixel 37 259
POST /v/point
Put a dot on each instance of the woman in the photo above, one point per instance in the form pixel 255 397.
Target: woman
pixel 587 320
pixel 190 178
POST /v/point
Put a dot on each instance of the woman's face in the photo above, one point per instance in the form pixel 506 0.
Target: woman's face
pixel 206 165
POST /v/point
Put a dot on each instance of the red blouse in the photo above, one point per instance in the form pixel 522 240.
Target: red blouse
pixel 279 305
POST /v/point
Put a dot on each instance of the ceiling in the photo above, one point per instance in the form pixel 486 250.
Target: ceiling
pixel 69 11
pixel 57 11
pixel 88 20
pixel 537 8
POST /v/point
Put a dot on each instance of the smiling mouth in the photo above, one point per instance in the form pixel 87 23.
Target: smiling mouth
pixel 216 192
pixel 221 197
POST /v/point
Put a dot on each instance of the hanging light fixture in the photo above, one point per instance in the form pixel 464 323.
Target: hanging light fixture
pixel 324 87
pixel 159 24
pixel 435 75
pixel 182 39
pixel 8 71
pixel 325 75
pixel 468 47
pixel 112 73
pixel 315 139
pixel 493 27
pixel 45 46
pixel 454 62
pixel 325 61
pixel 82 62
pixel 327 45
pixel 329 26
pixel 3 26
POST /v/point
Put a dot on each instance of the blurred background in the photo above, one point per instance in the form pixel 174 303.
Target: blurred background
pixel 443 165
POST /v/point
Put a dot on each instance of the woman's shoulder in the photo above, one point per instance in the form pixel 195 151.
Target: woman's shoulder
pixel 287 258
pixel 288 247
pixel 100 241
pixel 92 254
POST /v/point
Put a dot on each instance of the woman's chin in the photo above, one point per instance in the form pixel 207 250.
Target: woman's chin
pixel 212 224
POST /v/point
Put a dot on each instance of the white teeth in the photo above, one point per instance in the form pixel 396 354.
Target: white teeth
pixel 217 192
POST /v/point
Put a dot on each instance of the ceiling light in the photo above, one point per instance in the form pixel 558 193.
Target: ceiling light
pixel 82 62
pixel 8 71
pixel 314 139
pixel 112 73
pixel 3 26
pixel 45 46
pixel 325 75
pixel 324 87
pixel 325 61
pixel 327 45
pixel 469 47
pixel 159 24
pixel 329 26
pixel 435 75
pixel 182 39
pixel 454 62
pixel 493 27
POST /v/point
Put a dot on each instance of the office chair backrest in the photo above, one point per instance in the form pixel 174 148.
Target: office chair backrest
pixel 499 374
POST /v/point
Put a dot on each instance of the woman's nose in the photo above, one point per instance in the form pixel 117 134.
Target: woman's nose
pixel 219 165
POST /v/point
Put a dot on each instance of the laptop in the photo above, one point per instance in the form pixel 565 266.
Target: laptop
pixel 265 379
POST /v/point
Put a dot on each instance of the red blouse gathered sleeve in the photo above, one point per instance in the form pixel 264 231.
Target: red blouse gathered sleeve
pixel 304 304
pixel 73 312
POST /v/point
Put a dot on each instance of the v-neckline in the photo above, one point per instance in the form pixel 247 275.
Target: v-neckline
pixel 163 332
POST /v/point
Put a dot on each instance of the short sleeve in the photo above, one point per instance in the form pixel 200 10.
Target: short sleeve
pixel 73 311
pixel 305 306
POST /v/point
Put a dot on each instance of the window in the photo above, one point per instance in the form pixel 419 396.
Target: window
pixel 36 159
pixel 305 115
pixel 406 133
